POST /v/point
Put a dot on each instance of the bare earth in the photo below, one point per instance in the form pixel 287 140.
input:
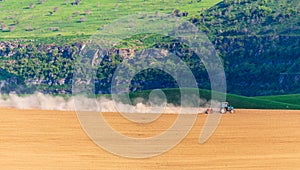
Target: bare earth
pixel 248 139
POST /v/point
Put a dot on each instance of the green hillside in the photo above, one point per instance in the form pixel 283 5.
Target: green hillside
pixel 256 103
pixel 267 102
pixel 46 18
pixel 290 99
pixel 252 18
pixel 257 40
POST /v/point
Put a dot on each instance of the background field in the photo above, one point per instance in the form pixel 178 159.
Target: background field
pixel 264 102
pixel 292 99
pixel 249 139
pixel 37 20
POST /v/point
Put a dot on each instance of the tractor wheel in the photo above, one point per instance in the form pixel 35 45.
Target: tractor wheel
pixel 222 110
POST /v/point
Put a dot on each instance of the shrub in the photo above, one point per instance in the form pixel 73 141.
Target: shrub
pixel 53 29
pixel 76 2
pixel 12 28
pixel 55 9
pixel 29 28
pixel 176 12
pixel 3 27
pixel 16 22
pixel 31 5
pixel 76 13
pixel 87 12
pixel 41 1
pixel 82 19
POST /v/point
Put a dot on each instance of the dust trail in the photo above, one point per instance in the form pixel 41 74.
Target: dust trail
pixel 36 101
pixel 47 102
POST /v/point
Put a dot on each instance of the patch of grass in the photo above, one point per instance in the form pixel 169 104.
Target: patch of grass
pixel 173 96
pixel 289 99
pixel 60 14
pixel 255 103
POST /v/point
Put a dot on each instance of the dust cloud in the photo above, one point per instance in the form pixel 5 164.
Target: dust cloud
pixel 48 102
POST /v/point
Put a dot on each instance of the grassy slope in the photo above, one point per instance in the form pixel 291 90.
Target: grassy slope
pixel 237 16
pixel 257 103
pixel 101 13
pixel 291 99
pixel 173 96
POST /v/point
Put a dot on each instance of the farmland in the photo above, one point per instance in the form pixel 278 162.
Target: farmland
pixel 248 139
pixel 32 19
pixel 256 42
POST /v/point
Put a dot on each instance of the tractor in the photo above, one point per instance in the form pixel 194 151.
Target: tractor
pixel 225 107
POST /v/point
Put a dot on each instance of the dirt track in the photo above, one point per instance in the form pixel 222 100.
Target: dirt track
pixel 248 139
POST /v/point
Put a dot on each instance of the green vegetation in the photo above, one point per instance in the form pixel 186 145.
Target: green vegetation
pixel 290 99
pixel 257 40
pixel 9 81
pixel 251 18
pixel 48 18
pixel 4 75
pixel 267 102
pixel 256 103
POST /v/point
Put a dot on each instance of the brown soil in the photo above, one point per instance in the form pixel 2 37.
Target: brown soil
pixel 248 139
